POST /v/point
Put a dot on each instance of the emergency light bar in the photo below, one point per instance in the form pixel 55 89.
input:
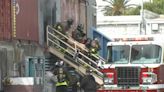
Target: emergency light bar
pixel 134 39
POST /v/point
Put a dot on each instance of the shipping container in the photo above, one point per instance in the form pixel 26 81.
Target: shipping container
pixel 103 38
pixel 5 20
pixel 27 27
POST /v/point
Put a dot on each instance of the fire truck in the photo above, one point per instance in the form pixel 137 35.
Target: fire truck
pixel 134 64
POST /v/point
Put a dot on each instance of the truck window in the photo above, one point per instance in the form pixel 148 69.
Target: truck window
pixel 146 54
pixel 118 54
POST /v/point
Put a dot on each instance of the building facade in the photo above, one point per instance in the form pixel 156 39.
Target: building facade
pixel 131 25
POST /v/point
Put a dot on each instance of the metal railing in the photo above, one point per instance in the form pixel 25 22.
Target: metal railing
pixel 69 48
pixel 75 43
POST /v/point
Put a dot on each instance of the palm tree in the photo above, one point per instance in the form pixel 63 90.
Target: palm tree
pixel 116 7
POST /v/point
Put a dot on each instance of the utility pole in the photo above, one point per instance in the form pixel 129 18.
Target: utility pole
pixel 143 29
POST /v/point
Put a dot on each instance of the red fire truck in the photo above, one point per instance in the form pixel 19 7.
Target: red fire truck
pixel 134 64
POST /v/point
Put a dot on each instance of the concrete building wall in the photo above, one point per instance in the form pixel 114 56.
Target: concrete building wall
pixel 3 65
pixel 81 11
pixel 155 28
pixel 58 10
pixel 83 15
pixel 161 28
pixel 14 53
pixel 46 16
pixel 91 16
pixel 121 29
pixel 88 15
pixel 125 25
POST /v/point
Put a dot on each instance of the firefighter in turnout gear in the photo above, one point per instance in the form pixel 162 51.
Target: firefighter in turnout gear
pixel 88 83
pixel 58 26
pixel 62 83
pixel 94 49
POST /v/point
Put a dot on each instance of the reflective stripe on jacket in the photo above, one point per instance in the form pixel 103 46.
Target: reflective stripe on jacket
pixel 93 50
pixel 61 83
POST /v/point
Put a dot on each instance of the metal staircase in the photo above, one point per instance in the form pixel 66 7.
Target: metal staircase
pixel 66 49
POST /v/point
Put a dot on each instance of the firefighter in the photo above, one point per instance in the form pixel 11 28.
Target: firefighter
pixel 64 27
pixel 88 83
pixel 88 43
pixel 58 26
pixel 69 24
pixel 68 27
pixel 78 34
pixel 74 81
pixel 94 49
pixel 62 83
pixel 95 44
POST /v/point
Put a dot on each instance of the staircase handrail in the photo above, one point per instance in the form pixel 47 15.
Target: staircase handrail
pixel 71 48
pixel 76 43
pixel 94 69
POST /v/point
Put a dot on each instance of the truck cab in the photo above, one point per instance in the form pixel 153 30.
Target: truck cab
pixel 134 64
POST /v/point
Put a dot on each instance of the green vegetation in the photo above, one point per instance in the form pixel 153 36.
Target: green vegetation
pixel 156 6
pixel 116 7
pixel 122 7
